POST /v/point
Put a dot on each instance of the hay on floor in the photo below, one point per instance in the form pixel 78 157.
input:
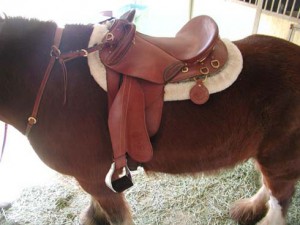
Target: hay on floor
pixel 155 200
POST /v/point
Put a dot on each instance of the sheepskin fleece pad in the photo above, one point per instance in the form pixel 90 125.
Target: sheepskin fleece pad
pixel 173 91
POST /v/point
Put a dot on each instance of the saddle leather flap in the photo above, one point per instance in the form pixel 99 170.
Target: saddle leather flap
pixel 138 141
pixel 127 124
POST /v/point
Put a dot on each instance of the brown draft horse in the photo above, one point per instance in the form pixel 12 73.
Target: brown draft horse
pixel 257 117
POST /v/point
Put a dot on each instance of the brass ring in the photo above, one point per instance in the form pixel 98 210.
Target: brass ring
pixel 109 37
pixel 32 120
pixel 215 63
pixel 85 52
pixel 204 70
pixel 185 69
pixel 57 51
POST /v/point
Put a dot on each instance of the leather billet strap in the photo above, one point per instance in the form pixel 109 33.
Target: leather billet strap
pixel 53 54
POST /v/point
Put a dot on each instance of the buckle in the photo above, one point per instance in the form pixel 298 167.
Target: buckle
pixel 122 183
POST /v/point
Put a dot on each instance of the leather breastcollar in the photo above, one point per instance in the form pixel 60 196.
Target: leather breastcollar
pixel 54 53
pixel 62 58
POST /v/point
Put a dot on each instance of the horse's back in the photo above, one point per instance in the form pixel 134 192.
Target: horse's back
pixel 234 123
pixel 270 52
pixel 272 63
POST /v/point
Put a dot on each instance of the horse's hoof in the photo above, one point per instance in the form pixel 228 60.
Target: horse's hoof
pixel 246 213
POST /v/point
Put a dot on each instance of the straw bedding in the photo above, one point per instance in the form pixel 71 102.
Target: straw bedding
pixel 155 200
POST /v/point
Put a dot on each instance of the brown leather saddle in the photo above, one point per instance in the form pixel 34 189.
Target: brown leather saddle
pixel 138 67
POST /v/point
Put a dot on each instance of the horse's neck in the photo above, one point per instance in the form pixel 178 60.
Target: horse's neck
pixel 24 56
pixel 22 43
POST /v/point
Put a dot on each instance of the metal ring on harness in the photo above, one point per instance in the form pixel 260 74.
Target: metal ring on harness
pixel 85 52
pixel 109 36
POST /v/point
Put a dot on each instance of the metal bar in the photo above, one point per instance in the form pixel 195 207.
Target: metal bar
pixel 266 3
pixel 293 29
pixel 278 7
pixel 257 16
pixel 272 6
pixel 191 9
pixel 291 32
pixel 293 7
pixel 285 7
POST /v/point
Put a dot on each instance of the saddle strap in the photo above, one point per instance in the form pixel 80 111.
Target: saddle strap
pixel 32 120
pixel 128 130
pixel 114 81
pixel 139 146
pixel 154 100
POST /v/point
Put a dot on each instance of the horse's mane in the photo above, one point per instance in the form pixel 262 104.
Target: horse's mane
pixel 24 30
pixel 27 23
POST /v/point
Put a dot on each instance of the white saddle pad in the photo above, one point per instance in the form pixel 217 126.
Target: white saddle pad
pixel 173 91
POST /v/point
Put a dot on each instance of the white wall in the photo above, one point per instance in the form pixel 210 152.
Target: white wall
pixel 163 17
pixel 277 26
pixel 235 20
pixel 60 11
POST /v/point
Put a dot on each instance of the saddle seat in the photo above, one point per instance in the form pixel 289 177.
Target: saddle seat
pixel 194 41
pixel 195 50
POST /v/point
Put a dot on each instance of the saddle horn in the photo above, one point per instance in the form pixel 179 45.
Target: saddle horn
pixel 129 15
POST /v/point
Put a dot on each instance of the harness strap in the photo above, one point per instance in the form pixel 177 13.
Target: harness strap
pixel 62 58
pixel 55 52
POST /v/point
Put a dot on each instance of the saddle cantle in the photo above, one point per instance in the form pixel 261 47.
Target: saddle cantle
pixel 137 68
pixel 194 41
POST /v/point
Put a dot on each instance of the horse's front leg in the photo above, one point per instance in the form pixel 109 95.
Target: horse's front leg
pixel 106 208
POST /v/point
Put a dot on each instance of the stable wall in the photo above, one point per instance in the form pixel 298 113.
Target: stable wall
pixel 235 20
pixel 278 27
